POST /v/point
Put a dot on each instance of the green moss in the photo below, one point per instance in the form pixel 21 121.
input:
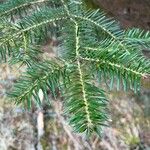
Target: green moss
pixel 132 140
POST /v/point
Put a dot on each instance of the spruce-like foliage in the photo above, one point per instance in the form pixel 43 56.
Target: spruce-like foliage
pixel 91 47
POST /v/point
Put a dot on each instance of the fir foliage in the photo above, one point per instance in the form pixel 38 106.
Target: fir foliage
pixel 91 46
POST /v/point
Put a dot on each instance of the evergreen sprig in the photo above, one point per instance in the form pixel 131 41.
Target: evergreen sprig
pixel 91 46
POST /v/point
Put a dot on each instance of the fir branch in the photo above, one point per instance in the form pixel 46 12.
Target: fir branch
pixel 85 104
pixel 9 7
pixel 42 76
pixel 32 27
pixel 114 65
pixel 80 73
pixel 108 26
pixel 91 45
pixel 138 37
pixel 26 25
pixel 88 118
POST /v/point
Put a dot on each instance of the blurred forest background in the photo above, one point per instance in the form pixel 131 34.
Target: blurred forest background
pixel 130 113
